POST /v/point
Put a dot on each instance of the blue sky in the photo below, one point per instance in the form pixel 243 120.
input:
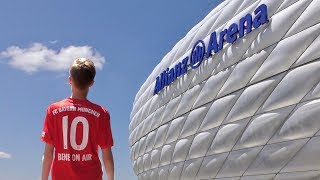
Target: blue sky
pixel 126 38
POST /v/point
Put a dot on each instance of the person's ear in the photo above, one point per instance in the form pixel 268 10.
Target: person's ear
pixel 70 80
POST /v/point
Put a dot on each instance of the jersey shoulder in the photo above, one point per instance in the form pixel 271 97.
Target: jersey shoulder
pixel 61 103
pixel 57 105
pixel 98 107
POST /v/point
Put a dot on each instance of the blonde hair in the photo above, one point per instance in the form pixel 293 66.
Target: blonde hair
pixel 82 72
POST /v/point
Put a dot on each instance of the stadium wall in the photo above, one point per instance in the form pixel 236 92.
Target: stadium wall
pixel 248 110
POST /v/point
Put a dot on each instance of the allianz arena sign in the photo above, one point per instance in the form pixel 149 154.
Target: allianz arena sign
pixel 229 35
pixel 237 98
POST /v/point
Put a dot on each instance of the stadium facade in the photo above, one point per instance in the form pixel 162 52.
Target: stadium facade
pixel 237 98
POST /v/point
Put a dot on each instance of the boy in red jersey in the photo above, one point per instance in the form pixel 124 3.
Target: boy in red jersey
pixel 73 130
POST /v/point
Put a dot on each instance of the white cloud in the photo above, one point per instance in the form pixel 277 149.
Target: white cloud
pixel 53 42
pixel 39 57
pixel 4 155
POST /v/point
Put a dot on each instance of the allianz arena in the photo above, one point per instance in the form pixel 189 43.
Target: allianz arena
pixel 237 98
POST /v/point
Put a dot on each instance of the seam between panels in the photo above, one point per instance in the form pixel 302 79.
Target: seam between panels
pixel 185 160
pixel 287 141
pixel 205 155
pixel 295 105
pixel 312 89
pixel 180 171
pixel 161 145
pixel 204 115
pixel 172 155
pixel 163 115
pixel 302 29
pixel 151 153
pixel 199 166
pixel 301 171
pixel 286 118
pixel 315 135
pixel 244 88
pixel 205 151
pixel 143 121
pixel 277 11
pixel 301 138
pixel 231 150
pixel 266 144
pixel 191 106
pixel 254 114
pixel 209 107
pixel 295 20
pixel 316 36
pixel 289 160
pixel 174 162
pixel 169 165
pixel 235 100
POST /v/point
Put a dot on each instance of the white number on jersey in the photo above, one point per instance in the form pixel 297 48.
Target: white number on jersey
pixel 73 129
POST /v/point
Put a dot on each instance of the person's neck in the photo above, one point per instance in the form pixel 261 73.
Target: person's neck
pixel 79 95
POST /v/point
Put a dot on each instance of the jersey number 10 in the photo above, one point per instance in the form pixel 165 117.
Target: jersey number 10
pixel 73 129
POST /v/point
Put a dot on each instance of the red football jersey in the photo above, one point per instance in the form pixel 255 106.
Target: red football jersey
pixel 76 128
